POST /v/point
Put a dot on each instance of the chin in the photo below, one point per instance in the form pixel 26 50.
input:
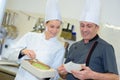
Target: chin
pixel 86 38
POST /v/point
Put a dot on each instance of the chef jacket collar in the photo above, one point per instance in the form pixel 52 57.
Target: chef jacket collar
pixel 93 39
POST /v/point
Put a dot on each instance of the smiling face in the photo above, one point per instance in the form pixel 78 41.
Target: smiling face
pixel 52 28
pixel 88 30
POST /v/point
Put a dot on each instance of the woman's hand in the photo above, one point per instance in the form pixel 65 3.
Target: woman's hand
pixel 29 53
pixel 62 71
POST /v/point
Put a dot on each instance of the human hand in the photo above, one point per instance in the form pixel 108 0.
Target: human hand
pixel 29 53
pixel 62 71
pixel 85 73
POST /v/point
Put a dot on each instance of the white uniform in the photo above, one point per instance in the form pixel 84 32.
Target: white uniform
pixel 50 52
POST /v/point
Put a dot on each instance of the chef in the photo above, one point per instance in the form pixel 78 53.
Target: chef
pixel 44 47
pixel 96 53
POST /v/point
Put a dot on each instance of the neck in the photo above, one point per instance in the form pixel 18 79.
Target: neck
pixel 88 40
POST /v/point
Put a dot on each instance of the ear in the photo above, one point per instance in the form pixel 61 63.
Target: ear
pixel 97 26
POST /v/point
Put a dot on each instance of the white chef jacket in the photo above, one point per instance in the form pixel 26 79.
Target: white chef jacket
pixel 50 52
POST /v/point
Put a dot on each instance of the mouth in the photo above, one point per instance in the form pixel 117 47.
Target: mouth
pixel 85 34
pixel 53 34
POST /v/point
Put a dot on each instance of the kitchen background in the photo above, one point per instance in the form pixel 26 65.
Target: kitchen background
pixel 26 13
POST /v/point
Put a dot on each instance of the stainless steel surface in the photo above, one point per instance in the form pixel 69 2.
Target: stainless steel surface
pixel 8 72
pixel 9 69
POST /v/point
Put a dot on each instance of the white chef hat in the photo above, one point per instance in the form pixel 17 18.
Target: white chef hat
pixel 91 12
pixel 52 11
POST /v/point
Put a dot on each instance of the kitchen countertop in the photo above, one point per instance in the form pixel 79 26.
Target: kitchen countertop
pixel 11 70
pixel 8 67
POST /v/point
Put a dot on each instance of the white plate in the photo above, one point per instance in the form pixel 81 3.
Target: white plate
pixel 72 66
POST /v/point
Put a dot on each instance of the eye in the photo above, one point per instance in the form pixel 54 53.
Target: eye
pixel 81 25
pixel 89 25
pixel 51 26
pixel 58 27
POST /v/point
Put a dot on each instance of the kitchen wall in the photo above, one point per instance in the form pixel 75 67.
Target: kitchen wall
pixel 110 33
pixel 70 8
pixel 29 10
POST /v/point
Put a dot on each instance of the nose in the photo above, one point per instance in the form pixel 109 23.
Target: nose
pixel 84 28
pixel 55 30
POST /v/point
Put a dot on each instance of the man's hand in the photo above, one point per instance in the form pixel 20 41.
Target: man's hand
pixel 85 73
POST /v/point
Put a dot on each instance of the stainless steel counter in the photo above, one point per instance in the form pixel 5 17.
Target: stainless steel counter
pixel 9 69
pixel 8 72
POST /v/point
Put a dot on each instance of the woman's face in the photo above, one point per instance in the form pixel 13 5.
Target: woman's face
pixel 52 28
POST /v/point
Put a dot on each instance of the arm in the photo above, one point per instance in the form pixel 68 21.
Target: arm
pixel 21 44
pixel 87 73
pixel 105 76
pixel 30 53
pixel 61 70
pixel 58 60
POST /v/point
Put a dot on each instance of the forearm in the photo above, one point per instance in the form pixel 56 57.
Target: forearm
pixel 105 76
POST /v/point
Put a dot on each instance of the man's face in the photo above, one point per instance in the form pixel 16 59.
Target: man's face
pixel 88 30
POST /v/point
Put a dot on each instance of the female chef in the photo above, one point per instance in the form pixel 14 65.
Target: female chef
pixel 42 46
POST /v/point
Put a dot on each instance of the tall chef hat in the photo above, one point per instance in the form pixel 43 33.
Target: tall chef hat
pixel 91 12
pixel 52 11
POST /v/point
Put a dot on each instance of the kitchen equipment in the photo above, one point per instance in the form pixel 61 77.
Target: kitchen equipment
pixel 12 29
pixel 3 32
pixel 39 26
pixel 66 33
pixel 73 34
pixel 8 24
pixel 9 63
